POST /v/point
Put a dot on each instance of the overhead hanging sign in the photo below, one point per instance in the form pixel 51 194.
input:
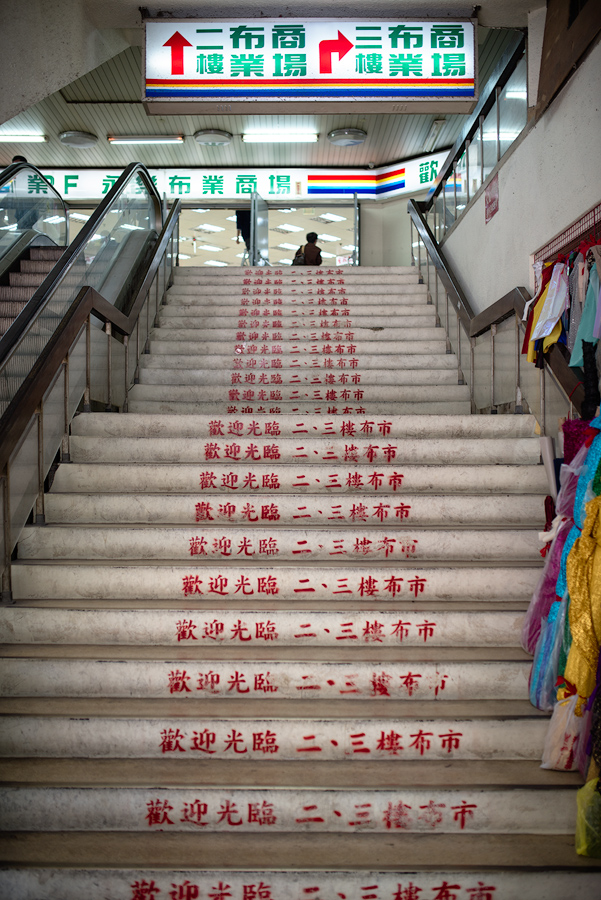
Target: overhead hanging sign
pixel 194 65
pixel 275 185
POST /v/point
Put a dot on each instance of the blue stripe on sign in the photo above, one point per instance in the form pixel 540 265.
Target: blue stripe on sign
pixel 308 92
pixel 382 189
pixel 340 190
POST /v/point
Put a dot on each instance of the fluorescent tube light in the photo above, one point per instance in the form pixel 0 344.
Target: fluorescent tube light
pixel 54 220
pixel 432 135
pixel 79 217
pixel 132 227
pixel 183 256
pixel 288 246
pixel 328 255
pixel 332 217
pixel 210 248
pixel 516 95
pixel 145 138
pixel 329 238
pixel 280 137
pixel 290 228
pixel 23 138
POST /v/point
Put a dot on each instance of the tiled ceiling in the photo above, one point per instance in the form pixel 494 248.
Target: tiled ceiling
pixel 107 101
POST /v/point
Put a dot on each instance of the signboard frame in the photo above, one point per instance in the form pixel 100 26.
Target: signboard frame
pixel 182 105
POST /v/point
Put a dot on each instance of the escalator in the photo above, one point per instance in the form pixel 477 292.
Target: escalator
pixel 34 231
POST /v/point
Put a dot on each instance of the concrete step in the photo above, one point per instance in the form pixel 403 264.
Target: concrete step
pixel 416 681
pixel 183 391
pixel 365 293
pixel 128 478
pixel 551 884
pixel 464 811
pixel 219 541
pixel 393 374
pixel 195 310
pixel 349 348
pixel 290 426
pixel 290 331
pixel 270 739
pixel 396 581
pixel 174 345
pixel 259 629
pixel 302 452
pixel 418 365
pixel 439 408
pixel 411 510
pixel 356 275
pixel 236 318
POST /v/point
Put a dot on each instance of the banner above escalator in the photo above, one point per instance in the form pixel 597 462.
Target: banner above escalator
pixel 275 185
pixel 195 66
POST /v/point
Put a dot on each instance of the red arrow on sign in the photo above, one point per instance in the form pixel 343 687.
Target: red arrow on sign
pixel 341 46
pixel 177 42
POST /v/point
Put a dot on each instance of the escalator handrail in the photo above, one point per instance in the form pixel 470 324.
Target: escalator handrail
pixel 87 302
pixel 9 342
pixel 9 173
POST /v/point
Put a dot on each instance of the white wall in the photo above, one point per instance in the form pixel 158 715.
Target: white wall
pixel 385 232
pixel 548 182
pixel 44 46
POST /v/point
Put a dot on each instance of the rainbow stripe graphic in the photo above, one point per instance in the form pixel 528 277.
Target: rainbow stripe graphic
pixel 358 183
pixel 296 88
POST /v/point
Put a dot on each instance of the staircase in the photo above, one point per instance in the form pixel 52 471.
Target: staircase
pixel 267 645
pixel 22 284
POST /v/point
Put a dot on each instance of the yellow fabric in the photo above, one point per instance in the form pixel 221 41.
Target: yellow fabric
pixel 531 357
pixel 553 337
pixel 584 585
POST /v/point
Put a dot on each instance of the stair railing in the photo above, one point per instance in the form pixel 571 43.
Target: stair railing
pixel 81 367
pixel 488 344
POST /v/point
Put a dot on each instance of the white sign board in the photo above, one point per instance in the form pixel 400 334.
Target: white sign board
pixel 392 65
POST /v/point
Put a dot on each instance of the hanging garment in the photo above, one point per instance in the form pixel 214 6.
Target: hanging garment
pixel 587 324
pixel 556 302
pixel 577 295
pixel 532 304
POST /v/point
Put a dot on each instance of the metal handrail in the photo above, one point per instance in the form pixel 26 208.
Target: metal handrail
pixel 87 302
pixel 513 303
pixel 488 97
pixel 9 173
pixel 42 295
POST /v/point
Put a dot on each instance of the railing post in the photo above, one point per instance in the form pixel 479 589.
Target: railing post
pixel 65 445
pixel 444 208
pixel 87 390
pixel 472 375
pixel 137 369
pixel 493 332
pixel 459 369
pixel 40 517
pixel 156 298
pixel 446 325
pixel 411 240
pixel 177 251
pixel 7 593
pixel 109 361
pixel 497 95
pixel 436 297
pixel 543 411
pixel 147 320
pixel 126 372
pixel 455 189
pixel 467 171
pixel 519 407
pixel 481 150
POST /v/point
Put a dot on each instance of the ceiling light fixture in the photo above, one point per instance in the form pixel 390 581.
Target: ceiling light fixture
pixel 79 139
pixel 145 138
pixel 432 135
pixel 347 137
pixel 330 217
pixel 280 137
pixel 212 137
pixel 22 138
pixel 79 217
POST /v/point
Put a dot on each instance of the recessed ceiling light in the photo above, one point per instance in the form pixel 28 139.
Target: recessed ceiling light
pixel 280 137
pixel 332 217
pixel 208 229
pixel 288 246
pixel 290 209
pixel 347 137
pixel 145 138
pixel 22 138
pixel 290 228
pixel 209 248
pixel 329 238
pixel 229 218
pixel 79 217
pixel 328 255
pixel 212 137
pixel 183 256
pixel 77 139
pixel 201 211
